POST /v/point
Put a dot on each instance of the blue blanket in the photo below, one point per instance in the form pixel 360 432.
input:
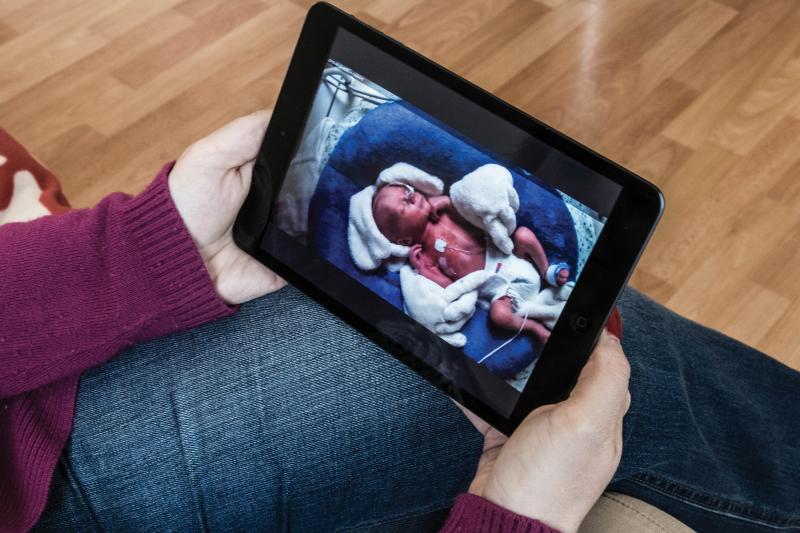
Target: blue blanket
pixel 395 132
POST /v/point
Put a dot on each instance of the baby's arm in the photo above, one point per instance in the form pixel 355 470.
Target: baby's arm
pixel 439 206
pixel 527 246
pixel 432 272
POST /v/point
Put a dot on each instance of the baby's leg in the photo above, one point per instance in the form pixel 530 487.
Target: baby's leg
pixel 502 315
pixel 528 247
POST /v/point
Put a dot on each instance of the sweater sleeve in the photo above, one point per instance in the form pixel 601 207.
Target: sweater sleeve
pixel 473 514
pixel 81 286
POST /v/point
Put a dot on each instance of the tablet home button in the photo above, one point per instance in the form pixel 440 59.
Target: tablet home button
pixel 579 323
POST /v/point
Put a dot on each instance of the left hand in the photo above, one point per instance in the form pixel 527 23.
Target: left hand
pixel 559 460
pixel 208 184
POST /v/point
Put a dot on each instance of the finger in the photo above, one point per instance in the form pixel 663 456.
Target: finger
pixel 492 437
pixel 602 387
pixel 237 142
pixel 246 174
pixel 482 426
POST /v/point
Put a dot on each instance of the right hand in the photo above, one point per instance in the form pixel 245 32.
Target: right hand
pixel 560 459
pixel 208 184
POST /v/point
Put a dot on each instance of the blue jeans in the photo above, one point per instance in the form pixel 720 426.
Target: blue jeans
pixel 283 418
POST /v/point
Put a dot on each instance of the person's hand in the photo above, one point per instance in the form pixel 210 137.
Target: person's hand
pixel 559 460
pixel 208 184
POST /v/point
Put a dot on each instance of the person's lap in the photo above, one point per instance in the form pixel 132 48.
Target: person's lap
pixel 280 418
pixel 284 418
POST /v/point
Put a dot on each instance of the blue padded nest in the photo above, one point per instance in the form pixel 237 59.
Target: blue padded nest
pixel 396 132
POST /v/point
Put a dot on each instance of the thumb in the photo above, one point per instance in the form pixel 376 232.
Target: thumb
pixel 602 387
pixel 237 142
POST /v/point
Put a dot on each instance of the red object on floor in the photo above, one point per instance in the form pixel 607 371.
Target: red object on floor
pixel 17 159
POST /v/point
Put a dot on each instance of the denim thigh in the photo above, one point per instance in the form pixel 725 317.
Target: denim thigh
pixel 283 418
pixel 712 433
pixel 280 418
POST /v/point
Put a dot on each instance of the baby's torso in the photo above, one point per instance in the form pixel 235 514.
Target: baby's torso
pixel 457 248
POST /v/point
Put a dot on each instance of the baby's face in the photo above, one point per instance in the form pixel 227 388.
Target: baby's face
pixel 401 214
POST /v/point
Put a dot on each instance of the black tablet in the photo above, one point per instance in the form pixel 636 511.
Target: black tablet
pixel 476 244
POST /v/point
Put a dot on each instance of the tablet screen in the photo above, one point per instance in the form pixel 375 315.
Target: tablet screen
pixel 410 204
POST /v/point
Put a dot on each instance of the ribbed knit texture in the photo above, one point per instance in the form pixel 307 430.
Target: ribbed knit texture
pixel 77 289
pixel 473 514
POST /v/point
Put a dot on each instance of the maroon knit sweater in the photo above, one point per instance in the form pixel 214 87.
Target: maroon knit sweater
pixel 78 288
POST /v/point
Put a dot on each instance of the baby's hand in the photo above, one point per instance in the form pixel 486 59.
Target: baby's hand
pixel 439 205
pixel 428 270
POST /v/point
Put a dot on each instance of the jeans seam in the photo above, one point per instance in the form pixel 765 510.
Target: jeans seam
pixel 715 504
pixel 197 497
pixel 438 506
pixel 73 481
pixel 638 512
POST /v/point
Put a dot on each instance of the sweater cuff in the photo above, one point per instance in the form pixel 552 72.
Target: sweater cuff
pixel 471 513
pixel 171 257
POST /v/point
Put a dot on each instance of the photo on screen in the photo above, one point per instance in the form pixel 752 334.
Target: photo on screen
pixel 481 253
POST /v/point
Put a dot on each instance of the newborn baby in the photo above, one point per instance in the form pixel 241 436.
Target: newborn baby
pixel 449 251
pixel 407 210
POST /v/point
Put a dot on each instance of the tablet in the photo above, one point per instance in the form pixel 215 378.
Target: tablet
pixel 479 246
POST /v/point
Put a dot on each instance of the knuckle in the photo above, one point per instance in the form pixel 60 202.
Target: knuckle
pixel 582 425
pixel 613 358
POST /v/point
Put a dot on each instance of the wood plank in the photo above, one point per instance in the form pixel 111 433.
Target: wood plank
pixel 766 104
pixel 504 62
pixel 716 103
pixel 61 101
pixel 782 338
pixel 754 23
pixel 113 116
pixel 207 28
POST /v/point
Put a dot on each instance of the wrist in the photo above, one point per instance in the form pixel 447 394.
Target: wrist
pixel 170 256
pixel 540 507
pixel 474 513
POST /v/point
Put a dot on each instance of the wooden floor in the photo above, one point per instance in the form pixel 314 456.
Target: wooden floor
pixel 702 97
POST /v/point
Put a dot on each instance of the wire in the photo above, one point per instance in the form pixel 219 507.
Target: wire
pixel 514 294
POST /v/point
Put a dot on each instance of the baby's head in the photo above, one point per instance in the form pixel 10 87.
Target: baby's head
pixel 386 218
pixel 401 213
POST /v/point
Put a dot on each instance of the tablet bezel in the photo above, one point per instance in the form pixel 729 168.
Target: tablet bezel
pixel 611 262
